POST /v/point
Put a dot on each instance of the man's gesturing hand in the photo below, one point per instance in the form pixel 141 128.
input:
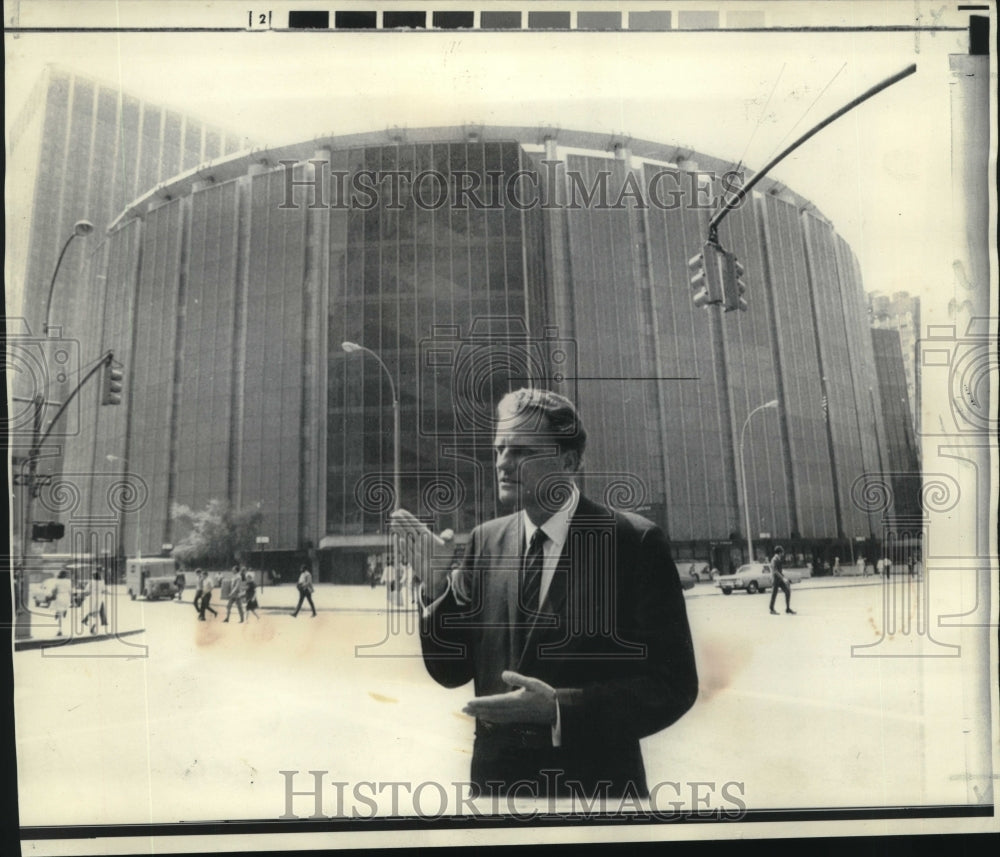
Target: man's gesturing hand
pixel 420 543
pixel 533 702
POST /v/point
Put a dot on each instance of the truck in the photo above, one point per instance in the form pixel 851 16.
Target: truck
pixel 151 577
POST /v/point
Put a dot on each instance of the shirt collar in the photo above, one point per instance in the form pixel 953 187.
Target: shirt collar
pixel 556 528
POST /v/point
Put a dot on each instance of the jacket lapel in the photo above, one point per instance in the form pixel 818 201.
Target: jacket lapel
pixel 589 519
pixel 543 630
pixel 504 569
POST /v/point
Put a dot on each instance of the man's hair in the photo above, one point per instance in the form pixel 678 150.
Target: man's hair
pixel 779 549
pixel 561 419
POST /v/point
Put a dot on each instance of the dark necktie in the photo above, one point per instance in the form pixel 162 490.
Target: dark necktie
pixel 529 587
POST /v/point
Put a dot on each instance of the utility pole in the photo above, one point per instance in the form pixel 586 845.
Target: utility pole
pixel 731 272
pixel 33 482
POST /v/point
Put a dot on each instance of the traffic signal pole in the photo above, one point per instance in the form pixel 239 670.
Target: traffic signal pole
pixel 713 225
pixel 31 482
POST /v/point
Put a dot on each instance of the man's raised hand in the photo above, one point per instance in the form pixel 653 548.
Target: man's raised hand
pixel 420 543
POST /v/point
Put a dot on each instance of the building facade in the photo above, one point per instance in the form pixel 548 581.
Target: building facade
pixel 472 261
pixel 79 150
pixel 901 312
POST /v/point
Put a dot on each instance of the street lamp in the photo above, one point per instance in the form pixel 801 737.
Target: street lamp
pixel 81 228
pixel 743 473
pixel 351 348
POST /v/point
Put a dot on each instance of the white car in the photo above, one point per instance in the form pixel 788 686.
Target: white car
pixel 754 577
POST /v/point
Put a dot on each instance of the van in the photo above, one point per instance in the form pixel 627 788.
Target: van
pixel 151 577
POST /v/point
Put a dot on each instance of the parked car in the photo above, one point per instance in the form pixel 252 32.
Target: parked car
pixel 754 577
pixel 44 593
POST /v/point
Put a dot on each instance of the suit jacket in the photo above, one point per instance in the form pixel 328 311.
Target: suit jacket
pixel 612 637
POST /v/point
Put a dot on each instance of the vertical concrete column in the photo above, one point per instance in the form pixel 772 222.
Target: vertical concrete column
pixel 244 195
pixel 557 249
pixel 766 243
pixel 312 460
pixel 648 340
pixel 811 277
pixel 728 431
pixel 175 387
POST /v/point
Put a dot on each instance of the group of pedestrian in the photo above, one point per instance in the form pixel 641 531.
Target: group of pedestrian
pixel 243 593
pixel 242 590
pixel 95 597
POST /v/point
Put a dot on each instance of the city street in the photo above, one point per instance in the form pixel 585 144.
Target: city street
pixel 194 721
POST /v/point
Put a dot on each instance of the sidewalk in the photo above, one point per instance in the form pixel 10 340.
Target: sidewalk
pixel 328 597
pixel 51 642
pixel 824 582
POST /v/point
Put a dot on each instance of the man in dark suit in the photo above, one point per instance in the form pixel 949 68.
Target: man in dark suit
pixel 568 617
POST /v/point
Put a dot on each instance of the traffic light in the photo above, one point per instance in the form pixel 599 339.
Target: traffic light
pixel 111 384
pixel 705 275
pixel 733 286
pixel 47 531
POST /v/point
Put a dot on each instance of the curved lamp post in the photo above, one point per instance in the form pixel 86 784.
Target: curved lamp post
pixel 81 228
pixel 351 348
pixel 743 473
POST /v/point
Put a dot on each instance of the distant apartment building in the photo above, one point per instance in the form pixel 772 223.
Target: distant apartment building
pixel 81 149
pixel 901 312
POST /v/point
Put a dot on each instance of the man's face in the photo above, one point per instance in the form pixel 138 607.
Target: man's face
pixel 527 461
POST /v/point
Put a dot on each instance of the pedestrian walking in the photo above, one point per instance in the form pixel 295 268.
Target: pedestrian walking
pixel 199 576
pixel 836 566
pixel 391 579
pixel 180 581
pixel 251 593
pixel 206 598
pixel 862 568
pixel 63 600
pixel 780 581
pixel 911 565
pixel 406 591
pixel 236 588
pixel 305 587
pixel 96 611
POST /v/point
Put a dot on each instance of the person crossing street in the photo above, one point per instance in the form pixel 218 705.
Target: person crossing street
pixel 305 587
pixel 780 581
pixel 206 598
pixel 237 584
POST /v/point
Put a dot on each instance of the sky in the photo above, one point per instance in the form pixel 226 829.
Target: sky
pixel 881 174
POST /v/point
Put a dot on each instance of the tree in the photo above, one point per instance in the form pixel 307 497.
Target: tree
pixel 219 534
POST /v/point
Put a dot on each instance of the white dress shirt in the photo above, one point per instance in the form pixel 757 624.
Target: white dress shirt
pixel 556 530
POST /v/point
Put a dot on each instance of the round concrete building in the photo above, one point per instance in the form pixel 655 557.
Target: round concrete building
pixel 472 261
